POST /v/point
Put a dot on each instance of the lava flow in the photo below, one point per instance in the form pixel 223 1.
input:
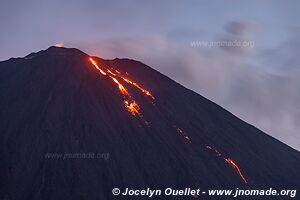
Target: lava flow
pixel 132 107
pixel 229 161
pixel 236 167
pixel 217 153
pixel 145 91
pixel 121 87
pixel 139 87
pixel 129 103
pixel 97 67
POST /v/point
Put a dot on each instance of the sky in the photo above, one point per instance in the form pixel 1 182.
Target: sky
pixel 243 55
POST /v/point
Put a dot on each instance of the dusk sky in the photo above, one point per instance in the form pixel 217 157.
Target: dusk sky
pixel 258 83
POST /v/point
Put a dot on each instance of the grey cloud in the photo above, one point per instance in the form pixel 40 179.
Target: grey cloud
pixel 239 37
pixel 240 27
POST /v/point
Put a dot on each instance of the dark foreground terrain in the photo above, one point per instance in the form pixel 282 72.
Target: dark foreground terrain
pixel 144 130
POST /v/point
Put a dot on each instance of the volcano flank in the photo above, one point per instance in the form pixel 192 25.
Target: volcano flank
pixel 75 126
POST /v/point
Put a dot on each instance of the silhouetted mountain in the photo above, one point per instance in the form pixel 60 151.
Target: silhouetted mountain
pixel 144 130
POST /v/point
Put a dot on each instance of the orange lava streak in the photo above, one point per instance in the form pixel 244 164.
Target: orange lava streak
pixel 111 72
pixel 139 87
pixel 229 161
pixel 121 87
pixel 97 67
pixel 132 83
pixel 236 167
pixel 183 135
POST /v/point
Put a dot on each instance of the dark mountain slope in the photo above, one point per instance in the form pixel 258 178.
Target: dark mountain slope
pixel 56 101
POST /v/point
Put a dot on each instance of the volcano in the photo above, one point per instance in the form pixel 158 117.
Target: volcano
pixel 75 126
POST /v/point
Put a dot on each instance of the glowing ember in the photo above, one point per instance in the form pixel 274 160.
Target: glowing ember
pixel 132 107
pixel 215 150
pixel 208 147
pixel 59 45
pixel 218 153
pixel 236 167
pixel 129 104
pixel 183 135
pixel 97 67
